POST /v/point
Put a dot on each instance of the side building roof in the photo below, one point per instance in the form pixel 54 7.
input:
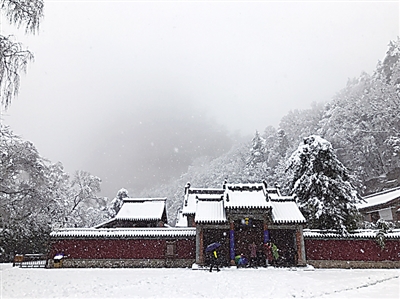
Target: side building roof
pixel 210 211
pixel 286 212
pixel 191 197
pixel 140 209
pixel 379 198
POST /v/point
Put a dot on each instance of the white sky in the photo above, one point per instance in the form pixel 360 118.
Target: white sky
pixel 103 68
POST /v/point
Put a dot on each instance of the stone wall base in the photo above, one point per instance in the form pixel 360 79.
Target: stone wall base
pixel 354 264
pixel 122 263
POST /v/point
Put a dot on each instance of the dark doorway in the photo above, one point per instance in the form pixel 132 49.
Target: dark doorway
pixel 221 236
pixel 285 240
pixel 247 233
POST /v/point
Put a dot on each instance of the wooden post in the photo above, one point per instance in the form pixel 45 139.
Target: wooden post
pixel 232 242
pixel 266 233
pixel 199 245
pixel 301 252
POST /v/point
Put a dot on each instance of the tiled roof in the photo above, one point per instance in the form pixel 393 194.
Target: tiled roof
pixel 273 193
pixel 379 198
pixel 286 212
pixel 181 221
pixel 189 205
pixel 358 234
pixel 142 209
pixel 246 196
pixel 208 207
pixel 123 232
pixel 210 211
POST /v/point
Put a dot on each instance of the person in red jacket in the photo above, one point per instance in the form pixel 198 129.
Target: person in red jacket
pixel 253 255
pixel 268 253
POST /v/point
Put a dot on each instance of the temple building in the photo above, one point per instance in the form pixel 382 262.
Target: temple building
pixel 235 216
pixel 238 215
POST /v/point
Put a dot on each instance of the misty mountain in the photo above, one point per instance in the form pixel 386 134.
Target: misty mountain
pixel 152 144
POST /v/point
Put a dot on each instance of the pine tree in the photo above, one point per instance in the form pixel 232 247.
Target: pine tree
pixel 321 183
pixel 117 202
pixel 256 168
pixel 257 151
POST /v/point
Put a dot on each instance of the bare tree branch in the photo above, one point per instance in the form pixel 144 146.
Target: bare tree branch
pixel 13 60
pixel 28 12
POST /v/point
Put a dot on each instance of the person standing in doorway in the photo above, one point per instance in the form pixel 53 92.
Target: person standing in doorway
pixel 253 255
pixel 275 254
pixel 268 254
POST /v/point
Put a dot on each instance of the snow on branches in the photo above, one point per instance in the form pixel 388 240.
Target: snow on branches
pixel 321 184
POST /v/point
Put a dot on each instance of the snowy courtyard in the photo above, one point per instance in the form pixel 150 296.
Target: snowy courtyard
pixel 188 283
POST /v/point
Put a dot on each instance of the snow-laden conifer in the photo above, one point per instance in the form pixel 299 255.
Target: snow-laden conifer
pixel 321 183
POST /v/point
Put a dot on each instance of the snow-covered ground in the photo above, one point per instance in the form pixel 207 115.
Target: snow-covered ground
pixel 188 283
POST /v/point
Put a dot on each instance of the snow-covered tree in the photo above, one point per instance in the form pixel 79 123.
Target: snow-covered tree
pixel 321 183
pixel 117 202
pixel 13 58
pixel 37 196
pixel 256 168
pixel 298 124
pixel 362 120
pixel 257 150
pixel 26 189
pixel 82 200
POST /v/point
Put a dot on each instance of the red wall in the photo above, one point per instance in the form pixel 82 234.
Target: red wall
pixel 186 249
pixel 352 250
pixel 120 248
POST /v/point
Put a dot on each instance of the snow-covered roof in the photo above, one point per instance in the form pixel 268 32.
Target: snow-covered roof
pixel 358 234
pixel 181 221
pixel 142 209
pixel 123 232
pixel 191 197
pixel 379 198
pixel 212 205
pixel 273 193
pixel 286 212
pixel 246 196
pixel 210 211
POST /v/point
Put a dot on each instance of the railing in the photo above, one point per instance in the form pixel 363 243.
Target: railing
pixel 30 260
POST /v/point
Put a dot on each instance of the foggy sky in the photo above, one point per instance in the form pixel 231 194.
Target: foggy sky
pixel 133 91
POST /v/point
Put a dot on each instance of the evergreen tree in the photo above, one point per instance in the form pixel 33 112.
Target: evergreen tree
pixel 256 168
pixel 321 184
pixel 117 202
pixel 257 151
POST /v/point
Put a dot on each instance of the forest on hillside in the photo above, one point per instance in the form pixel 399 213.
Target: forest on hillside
pixel 362 122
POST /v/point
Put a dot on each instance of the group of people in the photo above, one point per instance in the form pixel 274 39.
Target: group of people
pixel 262 256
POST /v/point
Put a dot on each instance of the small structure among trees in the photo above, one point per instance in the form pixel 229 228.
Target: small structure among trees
pixel 383 205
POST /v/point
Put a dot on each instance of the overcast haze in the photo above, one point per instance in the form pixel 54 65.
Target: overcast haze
pixel 133 91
